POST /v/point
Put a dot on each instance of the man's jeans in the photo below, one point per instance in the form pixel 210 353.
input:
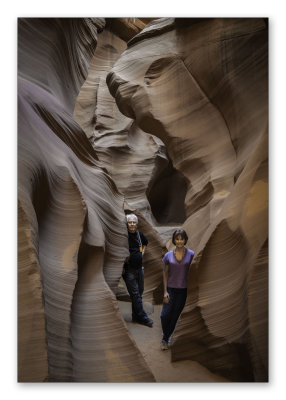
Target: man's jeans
pixel 172 310
pixel 134 280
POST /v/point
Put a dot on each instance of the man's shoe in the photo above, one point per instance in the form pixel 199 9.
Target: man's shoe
pixel 147 322
pixel 164 345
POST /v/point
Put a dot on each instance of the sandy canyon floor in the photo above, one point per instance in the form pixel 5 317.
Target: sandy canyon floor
pixel 148 342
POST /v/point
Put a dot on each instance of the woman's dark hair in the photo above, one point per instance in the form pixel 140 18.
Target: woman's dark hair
pixel 179 232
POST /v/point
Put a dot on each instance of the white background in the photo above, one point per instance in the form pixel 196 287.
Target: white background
pixel 13 9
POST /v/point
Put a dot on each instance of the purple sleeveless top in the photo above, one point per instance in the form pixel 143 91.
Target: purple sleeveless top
pixel 178 270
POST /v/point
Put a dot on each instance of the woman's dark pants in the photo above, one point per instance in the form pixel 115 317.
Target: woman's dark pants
pixel 171 311
pixel 134 280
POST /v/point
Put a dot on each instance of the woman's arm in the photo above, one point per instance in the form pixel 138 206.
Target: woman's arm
pixel 165 280
pixel 143 250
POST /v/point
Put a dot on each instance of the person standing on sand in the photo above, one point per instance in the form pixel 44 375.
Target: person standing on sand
pixel 133 271
pixel 175 274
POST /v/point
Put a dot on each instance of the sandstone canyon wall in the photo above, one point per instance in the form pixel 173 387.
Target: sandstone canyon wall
pixel 72 233
pixel 168 120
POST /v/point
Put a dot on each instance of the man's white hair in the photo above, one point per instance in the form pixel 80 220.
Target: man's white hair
pixel 131 216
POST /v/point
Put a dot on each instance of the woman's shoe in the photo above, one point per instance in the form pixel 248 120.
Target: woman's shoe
pixel 164 345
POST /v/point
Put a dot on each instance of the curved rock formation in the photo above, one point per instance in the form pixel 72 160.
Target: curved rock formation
pixel 72 232
pixel 201 87
pixel 172 126
pixel 135 160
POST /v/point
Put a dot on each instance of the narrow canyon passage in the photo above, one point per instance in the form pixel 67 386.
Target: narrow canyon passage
pixel 148 342
pixel 166 118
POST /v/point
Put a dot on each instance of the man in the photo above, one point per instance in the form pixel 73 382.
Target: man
pixel 133 273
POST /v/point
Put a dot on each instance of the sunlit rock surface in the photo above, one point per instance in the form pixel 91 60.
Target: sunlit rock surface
pixel 72 232
pixel 167 120
pixel 201 87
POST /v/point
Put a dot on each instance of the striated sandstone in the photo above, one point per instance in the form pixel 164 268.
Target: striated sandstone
pixel 135 160
pixel 171 125
pixel 71 220
pixel 201 87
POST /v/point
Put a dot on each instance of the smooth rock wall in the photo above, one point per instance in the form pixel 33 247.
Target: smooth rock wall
pixel 73 236
pixel 201 86
pixel 171 125
pixel 134 159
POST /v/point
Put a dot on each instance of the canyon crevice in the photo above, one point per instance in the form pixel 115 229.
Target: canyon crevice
pixel 166 118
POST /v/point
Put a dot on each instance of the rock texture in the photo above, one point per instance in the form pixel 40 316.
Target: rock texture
pixel 201 87
pixel 135 160
pixel 168 120
pixel 72 233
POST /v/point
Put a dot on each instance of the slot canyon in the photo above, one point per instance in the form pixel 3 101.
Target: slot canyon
pixel 166 118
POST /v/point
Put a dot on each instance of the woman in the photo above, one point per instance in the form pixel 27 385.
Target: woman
pixel 176 267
